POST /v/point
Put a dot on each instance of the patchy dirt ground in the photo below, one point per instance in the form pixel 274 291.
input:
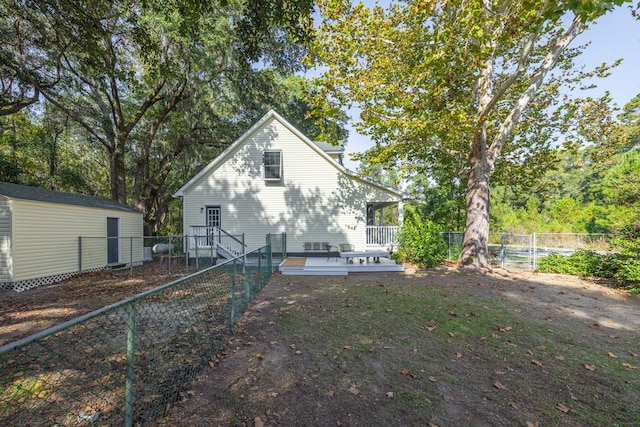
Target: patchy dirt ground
pixel 483 348
pixel 26 313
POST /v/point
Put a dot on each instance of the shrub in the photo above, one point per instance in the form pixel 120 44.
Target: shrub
pixel 580 263
pixel 421 243
pixel 625 268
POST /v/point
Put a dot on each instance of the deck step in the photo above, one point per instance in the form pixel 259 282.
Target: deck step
pixel 288 271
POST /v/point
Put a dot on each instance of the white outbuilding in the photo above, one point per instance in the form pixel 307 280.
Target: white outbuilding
pixel 48 236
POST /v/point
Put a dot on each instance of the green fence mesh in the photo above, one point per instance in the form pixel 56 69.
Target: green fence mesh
pixel 127 363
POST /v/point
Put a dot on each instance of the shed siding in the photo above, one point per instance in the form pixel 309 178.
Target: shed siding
pixel 46 237
pixel 6 272
pixel 315 201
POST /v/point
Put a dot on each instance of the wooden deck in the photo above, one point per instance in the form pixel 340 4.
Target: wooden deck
pixel 335 266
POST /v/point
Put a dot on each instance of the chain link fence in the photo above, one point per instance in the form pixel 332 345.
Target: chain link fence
pixel 522 251
pixel 127 363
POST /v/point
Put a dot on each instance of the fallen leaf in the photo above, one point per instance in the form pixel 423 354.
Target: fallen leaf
pixel 329 394
pixel 548 319
pixel 590 367
pixel 433 379
pixel 560 357
pixel 432 425
pixel 633 354
pixel 293 346
pixel 613 336
pixel 629 365
pixel 494 335
pixel 530 424
pixel 408 372
pixel 354 389
pixel 257 421
pixel 298 352
pixel 348 347
pixel 459 355
pixel 259 356
pixel 500 386
pixel 610 354
pixel 561 293
pixel 448 398
pixel 390 395
pixel 562 408
pixel 536 362
pixel 595 326
pixel 431 328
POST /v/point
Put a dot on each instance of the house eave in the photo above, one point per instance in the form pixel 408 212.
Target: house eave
pixel 273 114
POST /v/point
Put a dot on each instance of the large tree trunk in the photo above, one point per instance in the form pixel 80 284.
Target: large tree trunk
pixel 476 236
pixel 118 174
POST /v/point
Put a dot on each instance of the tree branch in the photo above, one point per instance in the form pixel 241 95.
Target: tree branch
pixel 512 120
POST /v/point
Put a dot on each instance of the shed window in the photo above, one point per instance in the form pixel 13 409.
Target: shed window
pixel 272 165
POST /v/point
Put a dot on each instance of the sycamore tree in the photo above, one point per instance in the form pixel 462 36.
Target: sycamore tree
pixel 470 88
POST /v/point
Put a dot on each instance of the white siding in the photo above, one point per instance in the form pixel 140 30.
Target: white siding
pixel 6 268
pixel 315 201
pixel 45 238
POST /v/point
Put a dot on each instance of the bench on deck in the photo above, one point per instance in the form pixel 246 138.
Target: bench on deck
pixel 365 254
pixel 320 248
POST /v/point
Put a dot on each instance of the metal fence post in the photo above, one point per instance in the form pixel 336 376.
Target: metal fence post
pixel 449 243
pixel 503 254
pixel 211 254
pixel 233 293
pixel 284 245
pixel 80 254
pixel 185 249
pixel 260 268
pixel 195 239
pixel 129 392
pixel 535 252
pixel 131 256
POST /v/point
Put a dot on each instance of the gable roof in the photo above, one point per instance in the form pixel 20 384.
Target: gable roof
pixel 25 192
pixel 321 148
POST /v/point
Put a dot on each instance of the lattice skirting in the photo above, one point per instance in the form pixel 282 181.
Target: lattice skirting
pixel 24 285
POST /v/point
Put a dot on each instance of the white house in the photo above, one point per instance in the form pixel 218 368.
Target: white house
pixel 273 179
pixel 40 233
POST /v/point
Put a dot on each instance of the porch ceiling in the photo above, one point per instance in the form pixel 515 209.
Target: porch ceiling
pixel 380 205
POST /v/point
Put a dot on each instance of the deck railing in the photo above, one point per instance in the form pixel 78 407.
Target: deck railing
pixel 382 235
pixel 202 237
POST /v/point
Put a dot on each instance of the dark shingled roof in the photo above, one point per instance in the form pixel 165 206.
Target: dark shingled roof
pixel 23 192
pixel 329 148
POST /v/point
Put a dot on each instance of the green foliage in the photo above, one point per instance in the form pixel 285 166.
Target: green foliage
pixel 421 242
pixel 625 268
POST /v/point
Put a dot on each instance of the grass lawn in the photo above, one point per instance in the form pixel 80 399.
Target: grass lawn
pixel 442 347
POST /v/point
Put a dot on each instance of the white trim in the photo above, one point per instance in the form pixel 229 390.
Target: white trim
pixel 273 115
pixel 264 166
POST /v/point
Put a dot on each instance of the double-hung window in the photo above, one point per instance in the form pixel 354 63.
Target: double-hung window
pixel 272 165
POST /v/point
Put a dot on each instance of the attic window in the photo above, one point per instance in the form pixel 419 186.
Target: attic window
pixel 272 165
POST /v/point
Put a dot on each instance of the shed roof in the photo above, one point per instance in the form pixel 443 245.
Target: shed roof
pixel 25 192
